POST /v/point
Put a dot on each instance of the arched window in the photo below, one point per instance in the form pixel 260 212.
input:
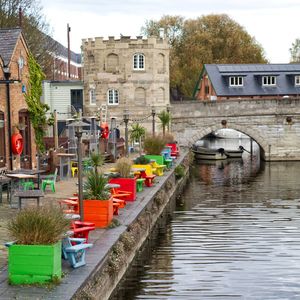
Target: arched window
pixel 140 96
pixel 139 61
pixel 160 95
pixel 161 67
pixel 112 62
pixel 112 97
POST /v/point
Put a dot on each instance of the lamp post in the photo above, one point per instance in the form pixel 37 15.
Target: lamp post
pixel 7 74
pixel 78 133
pixel 126 120
pixel 168 111
pixel 153 120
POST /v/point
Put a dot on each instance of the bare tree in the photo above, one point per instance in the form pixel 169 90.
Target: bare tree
pixel 34 27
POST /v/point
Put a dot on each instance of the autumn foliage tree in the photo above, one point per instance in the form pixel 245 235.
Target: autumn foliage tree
pixel 207 39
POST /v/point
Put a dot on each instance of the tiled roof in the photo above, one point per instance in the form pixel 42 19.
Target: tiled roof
pixel 8 40
pixel 252 79
pixel 62 50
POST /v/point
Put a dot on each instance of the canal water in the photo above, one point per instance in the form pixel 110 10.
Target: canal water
pixel 235 234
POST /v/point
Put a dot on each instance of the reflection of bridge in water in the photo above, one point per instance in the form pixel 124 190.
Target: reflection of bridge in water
pixel 273 124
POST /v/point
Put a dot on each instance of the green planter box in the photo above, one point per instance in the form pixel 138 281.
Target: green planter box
pixel 29 264
pixel 159 158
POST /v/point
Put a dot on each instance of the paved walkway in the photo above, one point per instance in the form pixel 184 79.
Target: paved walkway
pixel 102 240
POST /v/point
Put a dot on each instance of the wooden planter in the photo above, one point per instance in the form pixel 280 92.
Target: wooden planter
pixel 99 212
pixel 126 185
pixel 29 264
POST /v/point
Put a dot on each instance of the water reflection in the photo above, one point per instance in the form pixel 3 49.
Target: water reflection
pixel 235 235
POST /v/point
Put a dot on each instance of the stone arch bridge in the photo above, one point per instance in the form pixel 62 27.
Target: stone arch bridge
pixel 274 124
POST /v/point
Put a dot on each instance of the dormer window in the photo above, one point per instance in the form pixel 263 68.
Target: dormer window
pixel 297 80
pixel 268 80
pixel 236 81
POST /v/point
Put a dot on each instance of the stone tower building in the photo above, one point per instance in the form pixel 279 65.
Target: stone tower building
pixel 124 74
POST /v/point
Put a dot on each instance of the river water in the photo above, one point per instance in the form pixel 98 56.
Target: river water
pixel 234 235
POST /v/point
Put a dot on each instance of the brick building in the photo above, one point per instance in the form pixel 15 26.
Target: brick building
pixel 13 108
pixel 125 73
pixel 60 70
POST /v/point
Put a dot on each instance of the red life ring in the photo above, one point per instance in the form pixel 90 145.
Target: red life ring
pixel 17 143
pixel 104 130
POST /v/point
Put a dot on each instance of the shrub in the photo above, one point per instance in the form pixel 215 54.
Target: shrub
pixel 38 226
pixel 179 171
pixel 142 160
pixel 123 166
pixel 154 145
pixel 96 187
pixel 169 138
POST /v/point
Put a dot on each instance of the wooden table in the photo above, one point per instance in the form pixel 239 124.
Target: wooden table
pixel 65 160
pixel 30 194
pixel 37 172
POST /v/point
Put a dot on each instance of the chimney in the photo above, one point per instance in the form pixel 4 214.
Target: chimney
pixel 162 33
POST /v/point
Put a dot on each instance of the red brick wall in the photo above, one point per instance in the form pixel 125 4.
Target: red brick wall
pixel 17 99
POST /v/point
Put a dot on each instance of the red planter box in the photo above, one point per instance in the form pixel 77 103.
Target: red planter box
pixel 99 212
pixel 126 185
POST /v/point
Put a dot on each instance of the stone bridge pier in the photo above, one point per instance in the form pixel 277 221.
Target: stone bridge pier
pixel 273 124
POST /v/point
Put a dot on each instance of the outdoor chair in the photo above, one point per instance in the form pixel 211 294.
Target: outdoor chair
pixel 27 185
pixel 74 168
pixel 50 180
pixel 74 249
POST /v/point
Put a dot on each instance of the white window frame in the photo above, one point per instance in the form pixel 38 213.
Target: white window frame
pixel 297 80
pixel 92 94
pixel 268 80
pixel 236 81
pixel 138 61
pixel 113 97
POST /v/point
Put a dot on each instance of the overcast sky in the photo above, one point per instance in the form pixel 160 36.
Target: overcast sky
pixel 274 23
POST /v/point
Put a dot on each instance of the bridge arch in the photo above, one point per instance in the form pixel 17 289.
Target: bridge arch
pixel 255 135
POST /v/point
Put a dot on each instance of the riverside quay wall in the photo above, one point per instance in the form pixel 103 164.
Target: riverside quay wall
pixel 135 228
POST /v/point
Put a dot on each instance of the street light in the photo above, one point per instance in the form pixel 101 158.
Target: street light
pixel 168 111
pixel 153 120
pixel 7 73
pixel 126 120
pixel 78 133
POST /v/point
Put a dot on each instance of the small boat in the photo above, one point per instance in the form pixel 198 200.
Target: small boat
pixel 235 153
pixel 209 154
pixel 216 154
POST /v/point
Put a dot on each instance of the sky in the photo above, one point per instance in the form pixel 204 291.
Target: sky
pixel 273 23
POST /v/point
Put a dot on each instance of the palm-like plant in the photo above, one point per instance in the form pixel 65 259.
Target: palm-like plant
pixel 96 186
pixel 165 119
pixel 96 160
pixel 137 132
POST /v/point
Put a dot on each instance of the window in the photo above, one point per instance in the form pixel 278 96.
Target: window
pixel 113 97
pixel 236 81
pixel 139 62
pixel 268 80
pixel 297 80
pixel 92 97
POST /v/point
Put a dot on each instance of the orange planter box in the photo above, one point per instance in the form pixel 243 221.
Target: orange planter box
pixel 99 212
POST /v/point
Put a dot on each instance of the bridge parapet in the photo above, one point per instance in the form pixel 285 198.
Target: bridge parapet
pixel 274 124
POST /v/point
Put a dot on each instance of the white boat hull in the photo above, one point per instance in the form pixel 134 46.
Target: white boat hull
pixel 215 154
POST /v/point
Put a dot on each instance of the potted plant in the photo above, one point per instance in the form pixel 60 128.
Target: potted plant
pixel 98 203
pixel 35 254
pixel 137 132
pixel 126 180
